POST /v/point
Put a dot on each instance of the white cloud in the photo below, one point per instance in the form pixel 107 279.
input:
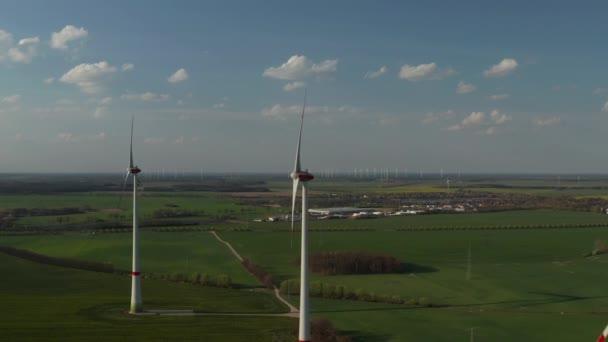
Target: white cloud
pixel 294 85
pixel 179 76
pixel 374 74
pixel 505 67
pixel 88 77
pixel 219 105
pixel 430 117
pixel 488 131
pixel 498 118
pixel 100 112
pixel 25 50
pixel 554 120
pixel 475 118
pixel 154 140
pixel 105 101
pixel 6 42
pixel 598 91
pixel 179 140
pixel 99 136
pixel 299 67
pixel 497 97
pixel 465 88
pixel 11 99
pixel 67 137
pixel 49 80
pixel 281 112
pixel 127 67
pixel 421 72
pixel 605 108
pixel 454 128
pixel 60 40
pixel 146 97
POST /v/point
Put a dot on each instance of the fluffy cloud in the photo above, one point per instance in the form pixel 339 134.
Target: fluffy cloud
pixel 605 108
pixel 60 40
pixel 421 72
pixel 67 137
pixel 49 80
pixel 465 88
pixel 488 131
pixel 100 112
pixel 377 73
pixel 146 97
pixel 105 101
pixel 430 117
pixel 127 67
pixel 281 112
pixel 598 91
pixel 497 97
pixel 475 118
pixel 154 140
pixel 299 67
pixel 294 85
pixel 88 77
pixel 554 120
pixel 498 118
pixel 25 50
pixel 11 99
pixel 179 76
pixel 219 105
pixel 505 67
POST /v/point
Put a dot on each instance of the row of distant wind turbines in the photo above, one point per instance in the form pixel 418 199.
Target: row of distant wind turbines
pixel 298 176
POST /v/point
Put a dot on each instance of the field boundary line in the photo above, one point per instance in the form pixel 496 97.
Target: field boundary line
pixel 277 293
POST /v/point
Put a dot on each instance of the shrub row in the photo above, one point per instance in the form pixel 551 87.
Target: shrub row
pixel 197 278
pixel 259 273
pixel 331 291
pixel 504 227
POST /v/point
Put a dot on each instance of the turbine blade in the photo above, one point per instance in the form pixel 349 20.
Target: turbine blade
pixel 131 148
pixel 297 165
pixel 124 186
pixel 293 205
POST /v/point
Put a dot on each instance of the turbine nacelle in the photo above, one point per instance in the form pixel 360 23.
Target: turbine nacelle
pixel 134 170
pixel 302 176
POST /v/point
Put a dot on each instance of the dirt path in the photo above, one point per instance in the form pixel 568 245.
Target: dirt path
pixel 292 309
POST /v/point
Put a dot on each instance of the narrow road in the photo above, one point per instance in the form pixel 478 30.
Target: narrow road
pixel 292 309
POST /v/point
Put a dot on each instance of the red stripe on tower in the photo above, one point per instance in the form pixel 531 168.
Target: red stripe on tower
pixel 602 338
pixel 135 273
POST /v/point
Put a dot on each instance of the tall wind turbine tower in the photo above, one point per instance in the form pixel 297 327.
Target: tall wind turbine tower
pixel 136 302
pixel 302 176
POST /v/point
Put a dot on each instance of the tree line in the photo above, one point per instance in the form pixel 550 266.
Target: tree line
pixel 333 263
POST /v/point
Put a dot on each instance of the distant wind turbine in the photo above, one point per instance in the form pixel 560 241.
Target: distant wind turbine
pixel 302 176
pixel 136 302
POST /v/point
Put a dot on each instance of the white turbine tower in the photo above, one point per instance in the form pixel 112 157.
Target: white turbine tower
pixel 302 176
pixel 136 302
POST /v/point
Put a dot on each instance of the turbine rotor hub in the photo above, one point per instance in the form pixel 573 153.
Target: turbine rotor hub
pixel 134 170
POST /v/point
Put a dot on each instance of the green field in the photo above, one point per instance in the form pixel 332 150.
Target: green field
pixel 41 302
pixel 160 252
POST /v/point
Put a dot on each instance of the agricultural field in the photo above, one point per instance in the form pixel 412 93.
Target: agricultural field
pixel 42 302
pixel 525 275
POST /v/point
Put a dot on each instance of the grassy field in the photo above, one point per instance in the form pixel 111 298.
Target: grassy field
pixel 43 302
pixel 160 252
pixel 521 281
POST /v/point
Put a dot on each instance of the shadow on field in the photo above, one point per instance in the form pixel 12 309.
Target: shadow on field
pixel 414 268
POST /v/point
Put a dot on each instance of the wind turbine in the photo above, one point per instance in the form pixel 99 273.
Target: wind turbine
pixel 302 176
pixel 136 302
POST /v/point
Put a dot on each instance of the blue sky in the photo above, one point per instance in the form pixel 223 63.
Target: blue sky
pixel 476 86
